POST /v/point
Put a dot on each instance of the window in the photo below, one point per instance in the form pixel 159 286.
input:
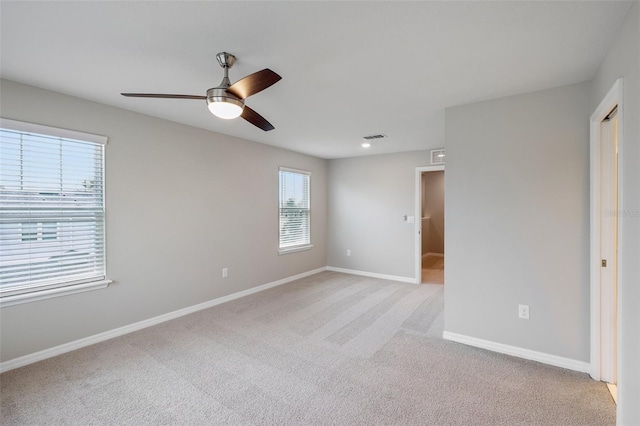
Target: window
pixel 51 212
pixel 49 231
pixel 39 231
pixel 295 210
pixel 29 232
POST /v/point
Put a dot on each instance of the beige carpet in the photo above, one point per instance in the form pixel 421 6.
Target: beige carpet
pixel 327 349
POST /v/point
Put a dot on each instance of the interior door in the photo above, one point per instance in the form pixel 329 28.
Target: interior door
pixel 608 247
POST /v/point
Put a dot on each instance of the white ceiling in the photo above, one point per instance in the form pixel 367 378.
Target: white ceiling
pixel 349 69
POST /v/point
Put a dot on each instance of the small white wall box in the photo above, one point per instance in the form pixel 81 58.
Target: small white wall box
pixel 437 156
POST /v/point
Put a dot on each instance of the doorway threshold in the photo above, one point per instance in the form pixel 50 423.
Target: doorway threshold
pixel 613 389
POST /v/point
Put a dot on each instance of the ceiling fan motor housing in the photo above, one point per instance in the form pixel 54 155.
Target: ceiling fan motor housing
pixel 220 94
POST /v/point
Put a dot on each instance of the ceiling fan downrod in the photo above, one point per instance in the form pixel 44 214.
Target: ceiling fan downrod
pixel 226 61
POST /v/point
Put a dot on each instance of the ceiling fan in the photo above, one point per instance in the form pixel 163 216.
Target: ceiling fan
pixel 227 100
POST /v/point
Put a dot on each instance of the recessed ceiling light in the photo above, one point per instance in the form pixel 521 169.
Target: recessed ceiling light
pixel 366 145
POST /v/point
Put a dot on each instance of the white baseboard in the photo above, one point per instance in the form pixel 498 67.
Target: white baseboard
pixel 101 337
pixel 373 275
pixel 558 361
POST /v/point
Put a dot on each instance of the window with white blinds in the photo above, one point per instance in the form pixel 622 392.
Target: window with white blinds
pixel 51 208
pixel 295 209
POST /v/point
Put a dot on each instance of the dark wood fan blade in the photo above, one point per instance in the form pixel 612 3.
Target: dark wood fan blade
pixel 256 119
pixel 254 83
pixel 161 95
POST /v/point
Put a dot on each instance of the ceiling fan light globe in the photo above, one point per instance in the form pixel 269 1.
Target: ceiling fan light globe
pixel 225 110
pixel 224 105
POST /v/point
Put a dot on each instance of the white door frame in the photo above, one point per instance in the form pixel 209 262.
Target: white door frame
pixel 610 101
pixel 418 216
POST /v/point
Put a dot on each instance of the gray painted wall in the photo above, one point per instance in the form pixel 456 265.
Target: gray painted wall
pixel 181 204
pixel 623 60
pixel 517 215
pixel 433 208
pixel 368 197
pixel 517 175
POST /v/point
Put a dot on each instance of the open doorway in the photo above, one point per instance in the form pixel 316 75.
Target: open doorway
pixel 430 225
pixel 605 228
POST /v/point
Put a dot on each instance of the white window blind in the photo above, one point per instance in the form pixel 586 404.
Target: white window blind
pixel 295 208
pixel 51 208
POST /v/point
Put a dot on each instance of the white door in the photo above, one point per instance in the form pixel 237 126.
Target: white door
pixel 609 247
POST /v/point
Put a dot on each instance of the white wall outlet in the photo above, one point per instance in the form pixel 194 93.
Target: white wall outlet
pixel 411 219
pixel 523 311
pixel 225 272
pixel 348 252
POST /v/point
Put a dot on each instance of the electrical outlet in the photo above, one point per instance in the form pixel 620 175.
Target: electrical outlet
pixel 225 272
pixel 523 311
pixel 348 252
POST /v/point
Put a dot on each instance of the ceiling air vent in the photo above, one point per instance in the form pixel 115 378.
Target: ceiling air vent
pixel 437 156
pixel 372 137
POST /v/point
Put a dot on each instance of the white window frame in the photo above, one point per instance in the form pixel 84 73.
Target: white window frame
pixel 70 287
pixel 299 247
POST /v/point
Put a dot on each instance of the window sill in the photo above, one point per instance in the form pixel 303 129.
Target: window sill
pixel 54 292
pixel 295 249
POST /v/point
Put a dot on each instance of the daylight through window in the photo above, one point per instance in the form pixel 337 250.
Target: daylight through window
pixel 51 208
pixel 295 209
